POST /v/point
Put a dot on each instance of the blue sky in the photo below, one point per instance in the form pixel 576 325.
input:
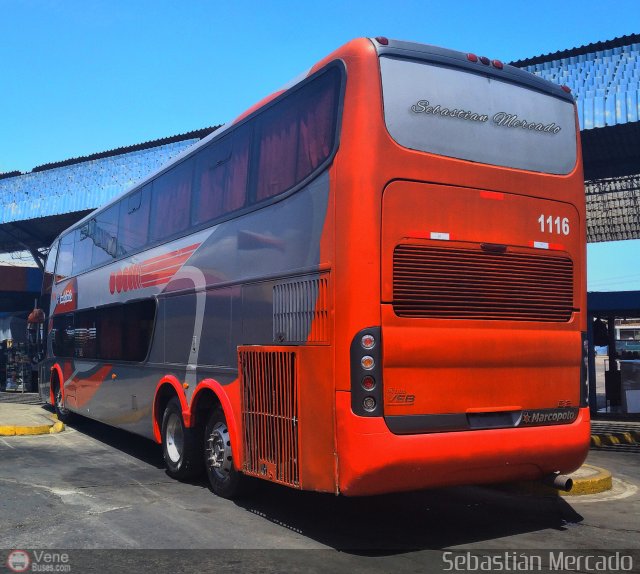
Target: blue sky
pixel 78 77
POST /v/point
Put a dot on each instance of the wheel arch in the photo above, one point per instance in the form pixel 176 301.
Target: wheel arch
pixel 210 393
pixel 56 371
pixel 167 388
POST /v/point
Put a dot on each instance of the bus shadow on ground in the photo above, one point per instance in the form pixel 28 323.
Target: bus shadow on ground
pixel 397 523
pixel 378 525
pixel 134 445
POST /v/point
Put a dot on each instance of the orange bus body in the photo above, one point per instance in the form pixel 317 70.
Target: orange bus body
pixel 374 178
pixel 467 393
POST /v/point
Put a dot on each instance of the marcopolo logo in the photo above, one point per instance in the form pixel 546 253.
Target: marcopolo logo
pixel 548 417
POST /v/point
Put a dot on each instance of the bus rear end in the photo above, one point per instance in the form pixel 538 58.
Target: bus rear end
pixel 474 370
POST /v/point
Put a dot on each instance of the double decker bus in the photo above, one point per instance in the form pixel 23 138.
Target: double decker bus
pixel 371 281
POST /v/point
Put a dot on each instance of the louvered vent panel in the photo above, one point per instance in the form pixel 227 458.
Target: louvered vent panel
pixel 474 284
pixel 269 387
pixel 301 311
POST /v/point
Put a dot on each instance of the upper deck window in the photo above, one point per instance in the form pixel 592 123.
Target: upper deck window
pixel 460 114
pixel 269 154
pixel 297 135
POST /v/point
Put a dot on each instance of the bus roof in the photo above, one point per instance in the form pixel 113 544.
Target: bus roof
pixel 437 55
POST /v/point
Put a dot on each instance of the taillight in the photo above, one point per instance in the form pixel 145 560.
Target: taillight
pixel 367 362
pixel 368 383
pixel 368 342
pixel 369 404
pixel 366 373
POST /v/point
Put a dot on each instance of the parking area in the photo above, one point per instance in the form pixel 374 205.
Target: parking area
pixel 95 487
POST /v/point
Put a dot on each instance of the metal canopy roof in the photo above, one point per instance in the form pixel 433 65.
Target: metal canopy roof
pixel 613 302
pixel 35 234
pixel 612 187
pixel 611 151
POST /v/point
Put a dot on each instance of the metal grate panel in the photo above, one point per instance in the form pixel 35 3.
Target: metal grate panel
pixel 269 386
pixel 301 311
pixel 458 283
pixel 613 209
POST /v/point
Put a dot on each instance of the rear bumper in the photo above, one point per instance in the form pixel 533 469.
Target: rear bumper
pixel 372 460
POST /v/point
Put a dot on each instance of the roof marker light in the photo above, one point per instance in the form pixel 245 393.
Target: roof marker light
pixel 497 64
pixel 472 58
pixel 485 60
pixel 382 40
pixel 566 88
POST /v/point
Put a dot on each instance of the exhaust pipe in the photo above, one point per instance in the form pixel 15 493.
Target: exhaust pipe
pixel 558 481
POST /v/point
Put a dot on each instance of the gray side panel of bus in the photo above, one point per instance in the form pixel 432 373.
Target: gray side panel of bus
pixel 241 262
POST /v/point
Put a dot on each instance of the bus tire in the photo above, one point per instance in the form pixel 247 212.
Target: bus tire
pixel 181 446
pixel 63 413
pixel 224 479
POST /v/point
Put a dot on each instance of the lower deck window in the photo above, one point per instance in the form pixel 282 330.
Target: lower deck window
pixel 114 333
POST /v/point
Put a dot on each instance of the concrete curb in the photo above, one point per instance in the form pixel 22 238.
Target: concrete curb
pixel 613 438
pixel 598 480
pixel 587 479
pixel 56 426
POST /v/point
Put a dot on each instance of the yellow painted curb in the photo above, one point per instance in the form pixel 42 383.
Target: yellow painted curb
pixel 58 426
pixel 598 480
pixel 16 430
pixel 611 439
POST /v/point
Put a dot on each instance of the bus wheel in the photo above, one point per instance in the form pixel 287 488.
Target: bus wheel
pixel 225 480
pixel 63 413
pixel 180 445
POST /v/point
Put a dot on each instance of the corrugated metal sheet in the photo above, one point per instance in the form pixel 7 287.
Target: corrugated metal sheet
pixel 80 186
pixel 605 81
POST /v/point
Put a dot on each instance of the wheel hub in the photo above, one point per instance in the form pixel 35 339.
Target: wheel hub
pixel 174 438
pixel 218 449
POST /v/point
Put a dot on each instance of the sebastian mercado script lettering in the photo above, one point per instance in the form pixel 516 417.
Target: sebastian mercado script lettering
pixel 501 119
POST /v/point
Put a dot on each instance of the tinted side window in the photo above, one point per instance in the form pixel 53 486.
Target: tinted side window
pixel 114 333
pixel 85 335
pixel 171 201
pixel 62 334
pixel 124 331
pixel 82 248
pixel 221 175
pixel 104 236
pixel 65 257
pixel 134 220
pixel 49 268
pixel 296 135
